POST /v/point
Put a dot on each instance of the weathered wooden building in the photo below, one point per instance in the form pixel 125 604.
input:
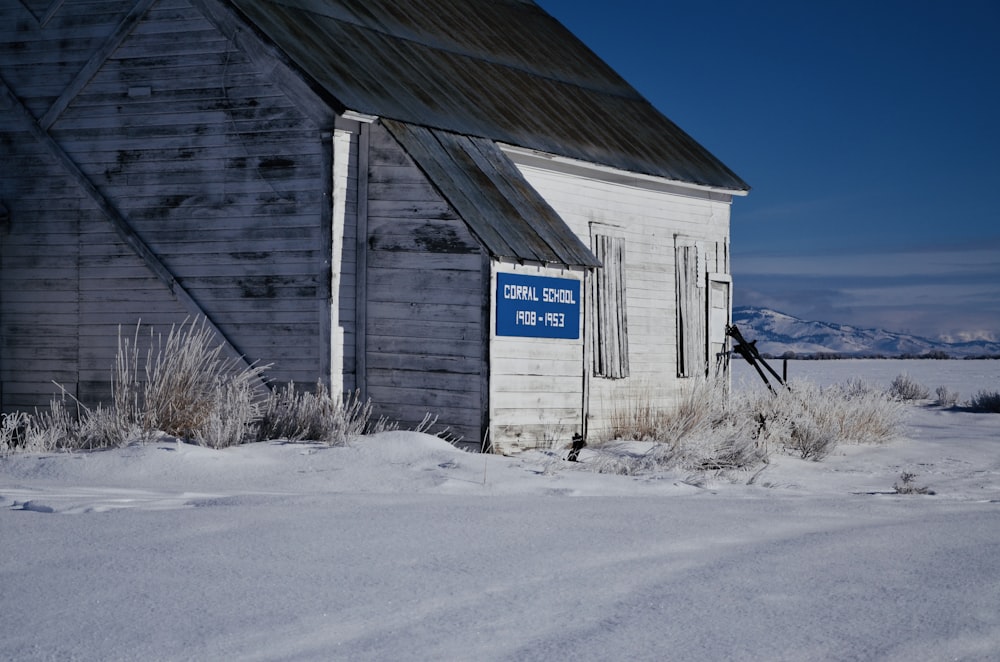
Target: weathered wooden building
pixel 453 206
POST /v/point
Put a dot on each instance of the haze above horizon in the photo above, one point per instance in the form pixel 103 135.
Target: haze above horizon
pixel 867 131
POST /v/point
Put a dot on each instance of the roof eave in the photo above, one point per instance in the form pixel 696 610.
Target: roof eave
pixel 609 173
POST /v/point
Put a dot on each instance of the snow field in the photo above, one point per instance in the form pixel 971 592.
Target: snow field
pixel 400 547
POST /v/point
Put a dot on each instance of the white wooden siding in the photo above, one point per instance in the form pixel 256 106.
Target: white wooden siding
pixel 536 384
pixel 648 215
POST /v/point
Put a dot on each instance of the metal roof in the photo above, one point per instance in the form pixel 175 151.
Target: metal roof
pixel 503 70
pixel 487 190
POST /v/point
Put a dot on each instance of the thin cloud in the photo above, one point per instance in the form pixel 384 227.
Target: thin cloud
pixel 948 261
pixel 950 292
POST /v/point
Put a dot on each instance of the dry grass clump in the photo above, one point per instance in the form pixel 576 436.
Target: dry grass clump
pixel 234 415
pixel 185 387
pixel 810 420
pixel 946 398
pixel 189 382
pixel 65 425
pixel 636 417
pixel 707 430
pixel 625 459
pixel 188 389
pixel 698 431
pixel 318 416
pixel 986 401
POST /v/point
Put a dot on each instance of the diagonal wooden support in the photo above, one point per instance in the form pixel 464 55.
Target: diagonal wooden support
pixel 118 221
pixel 93 65
pixel 748 350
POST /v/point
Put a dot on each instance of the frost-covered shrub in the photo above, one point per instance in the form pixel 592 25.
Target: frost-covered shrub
pixel 805 420
pixel 63 426
pixel 629 459
pixel 301 415
pixel 190 385
pixel 635 417
pixel 731 443
pixel 234 416
pixel 812 441
pixel 12 432
pixel 946 398
pixel 867 417
pixel 905 485
pixel 57 428
pixel 810 420
pixel 726 446
pixel 186 388
pixel 988 401
pixel 698 431
pixel 904 387
pixel 707 430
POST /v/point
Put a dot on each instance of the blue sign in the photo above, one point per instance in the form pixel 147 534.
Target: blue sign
pixel 538 306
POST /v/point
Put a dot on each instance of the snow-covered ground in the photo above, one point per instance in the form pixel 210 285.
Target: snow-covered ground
pixel 399 547
pixel 966 377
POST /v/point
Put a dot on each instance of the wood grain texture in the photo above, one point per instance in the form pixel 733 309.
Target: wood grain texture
pixel 423 293
pixel 211 174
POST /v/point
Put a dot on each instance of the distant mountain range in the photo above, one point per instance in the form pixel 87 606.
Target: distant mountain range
pixel 778 334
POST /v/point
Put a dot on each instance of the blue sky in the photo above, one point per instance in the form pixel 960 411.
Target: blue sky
pixel 868 131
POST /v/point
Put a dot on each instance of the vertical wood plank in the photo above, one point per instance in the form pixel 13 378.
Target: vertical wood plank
pixel 587 349
pixel 325 293
pixel 486 333
pixel 341 160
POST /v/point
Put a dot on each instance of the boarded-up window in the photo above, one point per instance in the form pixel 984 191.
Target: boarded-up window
pixel 611 324
pixel 691 341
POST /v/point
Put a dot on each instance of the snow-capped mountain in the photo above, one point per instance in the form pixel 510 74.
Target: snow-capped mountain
pixel 777 334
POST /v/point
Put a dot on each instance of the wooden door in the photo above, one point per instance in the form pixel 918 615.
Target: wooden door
pixel 720 313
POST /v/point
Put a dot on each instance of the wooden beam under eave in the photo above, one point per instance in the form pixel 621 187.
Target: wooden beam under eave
pixel 361 270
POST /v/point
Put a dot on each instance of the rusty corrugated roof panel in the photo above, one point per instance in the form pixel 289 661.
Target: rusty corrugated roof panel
pixel 498 69
pixel 508 216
